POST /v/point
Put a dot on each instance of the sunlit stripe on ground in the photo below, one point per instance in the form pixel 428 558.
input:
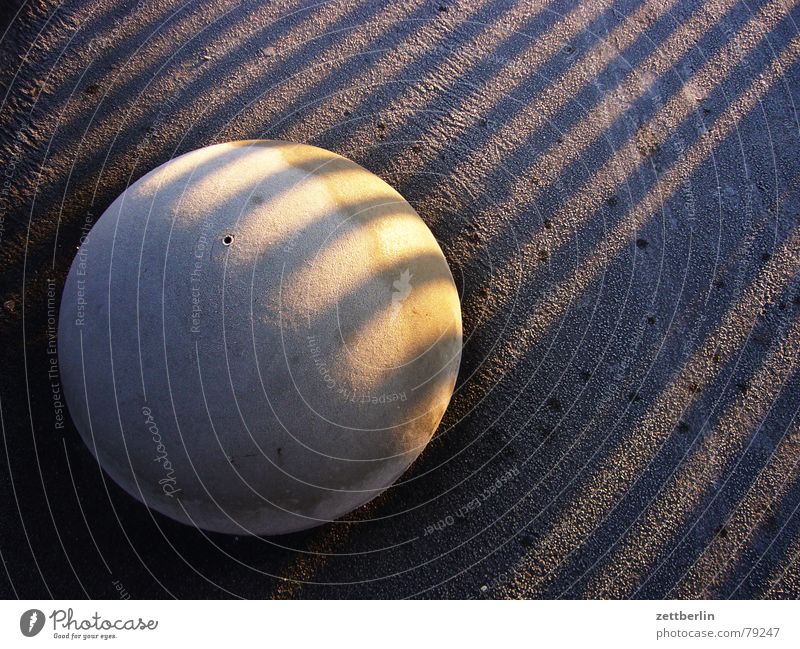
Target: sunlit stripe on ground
pixel 426 37
pixel 481 100
pixel 551 163
pixel 558 300
pixel 306 565
pixel 703 579
pixel 307 80
pixel 151 60
pixel 662 521
pixel 579 209
pixel 784 582
pixel 624 465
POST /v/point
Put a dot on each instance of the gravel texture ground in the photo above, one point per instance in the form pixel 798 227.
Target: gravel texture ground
pixel 615 187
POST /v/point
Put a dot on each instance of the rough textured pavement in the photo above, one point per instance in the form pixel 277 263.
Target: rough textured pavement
pixel 615 186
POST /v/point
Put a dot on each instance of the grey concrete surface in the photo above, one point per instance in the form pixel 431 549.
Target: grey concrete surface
pixel 613 183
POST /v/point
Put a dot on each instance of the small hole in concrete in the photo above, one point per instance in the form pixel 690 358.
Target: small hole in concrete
pixel 227 239
pixel 554 404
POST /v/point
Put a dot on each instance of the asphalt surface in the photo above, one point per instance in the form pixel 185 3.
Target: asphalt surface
pixel 615 187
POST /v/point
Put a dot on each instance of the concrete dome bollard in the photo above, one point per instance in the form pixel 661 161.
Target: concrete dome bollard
pixel 258 337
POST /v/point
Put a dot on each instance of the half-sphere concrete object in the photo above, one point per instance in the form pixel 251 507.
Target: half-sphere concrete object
pixel 258 337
